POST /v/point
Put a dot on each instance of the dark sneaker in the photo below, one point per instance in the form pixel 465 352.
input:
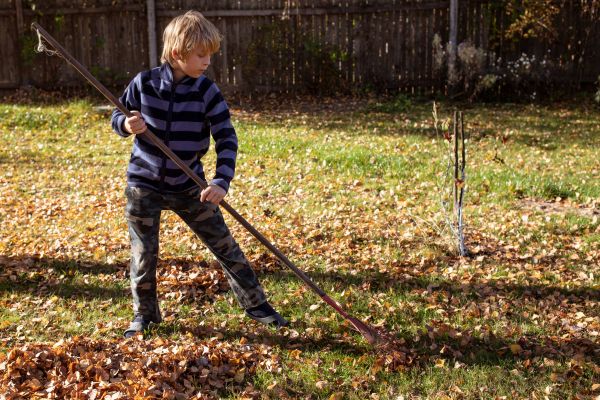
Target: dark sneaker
pixel 139 324
pixel 266 315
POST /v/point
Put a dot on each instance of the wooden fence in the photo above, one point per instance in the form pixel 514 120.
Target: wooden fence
pixel 272 45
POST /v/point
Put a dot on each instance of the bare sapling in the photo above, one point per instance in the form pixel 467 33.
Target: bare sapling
pixel 452 181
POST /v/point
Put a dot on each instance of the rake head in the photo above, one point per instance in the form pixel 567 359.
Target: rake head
pixel 368 333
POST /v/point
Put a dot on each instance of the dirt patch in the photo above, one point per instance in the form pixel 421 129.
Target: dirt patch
pixel 560 207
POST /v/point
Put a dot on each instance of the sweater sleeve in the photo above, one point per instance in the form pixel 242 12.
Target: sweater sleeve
pixel 131 99
pixel 222 131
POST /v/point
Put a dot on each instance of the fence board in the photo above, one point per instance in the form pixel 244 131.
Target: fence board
pixel 9 67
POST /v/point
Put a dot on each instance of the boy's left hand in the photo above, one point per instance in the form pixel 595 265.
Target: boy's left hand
pixel 213 194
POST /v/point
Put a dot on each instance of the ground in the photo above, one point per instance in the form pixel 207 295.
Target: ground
pixel 350 190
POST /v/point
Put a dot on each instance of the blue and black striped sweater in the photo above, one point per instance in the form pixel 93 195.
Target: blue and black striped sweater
pixel 183 115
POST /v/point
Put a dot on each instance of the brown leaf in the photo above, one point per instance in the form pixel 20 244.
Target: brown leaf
pixel 295 354
pixel 515 348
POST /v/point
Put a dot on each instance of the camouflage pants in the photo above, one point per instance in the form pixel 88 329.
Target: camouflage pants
pixel 205 219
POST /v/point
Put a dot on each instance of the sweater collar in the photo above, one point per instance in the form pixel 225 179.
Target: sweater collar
pixel 166 74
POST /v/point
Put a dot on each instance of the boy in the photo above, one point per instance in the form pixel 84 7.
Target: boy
pixel 183 108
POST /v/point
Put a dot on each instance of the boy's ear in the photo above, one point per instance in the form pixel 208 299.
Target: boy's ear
pixel 175 55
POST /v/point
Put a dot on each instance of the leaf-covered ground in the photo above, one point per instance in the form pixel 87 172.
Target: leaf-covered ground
pixel 347 189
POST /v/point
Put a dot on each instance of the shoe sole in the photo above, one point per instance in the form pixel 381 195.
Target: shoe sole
pixel 275 320
pixel 135 328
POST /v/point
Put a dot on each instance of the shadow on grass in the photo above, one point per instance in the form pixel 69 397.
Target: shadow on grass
pixel 85 279
pixel 452 340
pixel 445 342
pixel 65 289
pixel 255 333
pixel 441 341
pixel 376 282
pixel 24 264
pixel 437 340
pixel 45 276
pixel 469 346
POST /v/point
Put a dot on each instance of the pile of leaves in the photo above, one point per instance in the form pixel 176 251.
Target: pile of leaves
pixel 190 282
pixel 135 368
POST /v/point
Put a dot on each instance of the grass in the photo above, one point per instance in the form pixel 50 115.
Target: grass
pixel 351 196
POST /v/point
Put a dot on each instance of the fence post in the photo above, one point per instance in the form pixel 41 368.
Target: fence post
pixel 19 44
pixel 453 45
pixel 151 15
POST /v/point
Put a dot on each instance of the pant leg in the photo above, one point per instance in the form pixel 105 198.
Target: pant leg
pixel 143 217
pixel 206 220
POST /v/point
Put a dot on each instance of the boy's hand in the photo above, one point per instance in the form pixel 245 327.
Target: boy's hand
pixel 135 124
pixel 213 194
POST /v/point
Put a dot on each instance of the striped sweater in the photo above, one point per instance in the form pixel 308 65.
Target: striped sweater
pixel 183 115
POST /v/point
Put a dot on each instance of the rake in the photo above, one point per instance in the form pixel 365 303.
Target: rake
pixel 369 333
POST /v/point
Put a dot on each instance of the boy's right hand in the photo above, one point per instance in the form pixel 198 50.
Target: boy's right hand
pixel 135 124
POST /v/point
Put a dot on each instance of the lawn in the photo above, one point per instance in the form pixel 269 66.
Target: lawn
pixel 349 191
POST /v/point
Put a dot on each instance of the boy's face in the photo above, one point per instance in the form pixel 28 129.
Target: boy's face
pixel 194 65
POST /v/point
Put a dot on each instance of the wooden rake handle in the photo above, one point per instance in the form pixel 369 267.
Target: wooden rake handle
pixel 368 333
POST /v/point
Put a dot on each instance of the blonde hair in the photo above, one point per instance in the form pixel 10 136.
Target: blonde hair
pixel 185 32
